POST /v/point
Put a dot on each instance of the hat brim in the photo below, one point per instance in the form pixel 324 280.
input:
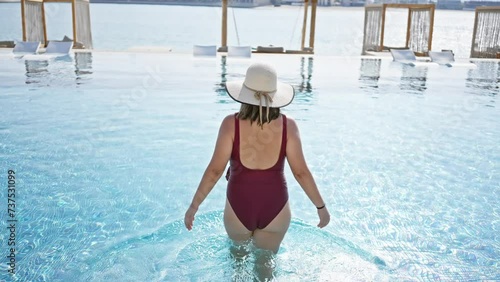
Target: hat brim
pixel 282 97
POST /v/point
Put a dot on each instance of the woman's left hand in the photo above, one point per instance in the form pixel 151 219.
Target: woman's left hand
pixel 189 217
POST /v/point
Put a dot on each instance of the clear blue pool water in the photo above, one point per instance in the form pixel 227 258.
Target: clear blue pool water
pixel 109 148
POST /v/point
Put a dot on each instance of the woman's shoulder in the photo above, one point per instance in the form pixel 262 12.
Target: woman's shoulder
pixel 229 118
pixel 227 127
pixel 290 121
pixel 228 122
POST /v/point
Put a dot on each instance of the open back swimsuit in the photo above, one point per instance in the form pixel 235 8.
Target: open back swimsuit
pixel 256 195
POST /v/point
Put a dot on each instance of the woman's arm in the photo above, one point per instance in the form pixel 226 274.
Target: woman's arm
pixel 301 172
pixel 215 168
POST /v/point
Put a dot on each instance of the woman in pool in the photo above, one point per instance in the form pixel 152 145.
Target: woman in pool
pixel 256 141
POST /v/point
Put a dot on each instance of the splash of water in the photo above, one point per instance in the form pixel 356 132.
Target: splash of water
pixel 173 254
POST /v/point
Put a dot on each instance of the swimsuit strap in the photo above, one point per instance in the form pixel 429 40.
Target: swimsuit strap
pixel 236 142
pixel 283 138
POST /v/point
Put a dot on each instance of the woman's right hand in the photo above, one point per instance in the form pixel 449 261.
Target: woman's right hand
pixel 324 217
pixel 189 217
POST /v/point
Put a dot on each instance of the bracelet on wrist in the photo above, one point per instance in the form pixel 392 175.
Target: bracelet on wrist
pixel 321 207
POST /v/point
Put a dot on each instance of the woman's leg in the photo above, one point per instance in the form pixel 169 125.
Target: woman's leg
pixel 265 264
pixel 271 236
pixel 234 228
pixel 240 236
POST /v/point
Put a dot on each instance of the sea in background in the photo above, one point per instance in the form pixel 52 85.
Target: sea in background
pixel 339 30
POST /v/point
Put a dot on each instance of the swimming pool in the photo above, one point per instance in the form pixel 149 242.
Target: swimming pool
pixel 108 149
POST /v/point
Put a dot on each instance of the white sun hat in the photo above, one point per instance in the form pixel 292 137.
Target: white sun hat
pixel 261 88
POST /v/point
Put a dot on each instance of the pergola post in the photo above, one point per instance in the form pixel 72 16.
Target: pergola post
pixel 23 20
pixel 73 8
pixel 408 26
pixel 304 25
pixel 46 42
pixel 224 25
pixel 472 53
pixel 313 23
pixel 381 47
pixel 431 31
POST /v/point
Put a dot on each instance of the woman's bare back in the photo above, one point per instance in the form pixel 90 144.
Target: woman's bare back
pixel 260 147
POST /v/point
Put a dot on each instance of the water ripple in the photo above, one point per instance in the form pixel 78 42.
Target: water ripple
pixel 171 253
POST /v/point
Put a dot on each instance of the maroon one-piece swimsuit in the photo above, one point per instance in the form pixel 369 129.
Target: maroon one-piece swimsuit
pixel 257 196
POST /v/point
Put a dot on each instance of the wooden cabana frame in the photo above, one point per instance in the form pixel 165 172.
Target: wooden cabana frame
pixel 486 41
pixel 35 28
pixel 375 14
pixel 303 50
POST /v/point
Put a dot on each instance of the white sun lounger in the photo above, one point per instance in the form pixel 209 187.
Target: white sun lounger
pixel 446 58
pixel 59 47
pixel 26 47
pixel 239 51
pixel 407 57
pixel 55 49
pixel 204 50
